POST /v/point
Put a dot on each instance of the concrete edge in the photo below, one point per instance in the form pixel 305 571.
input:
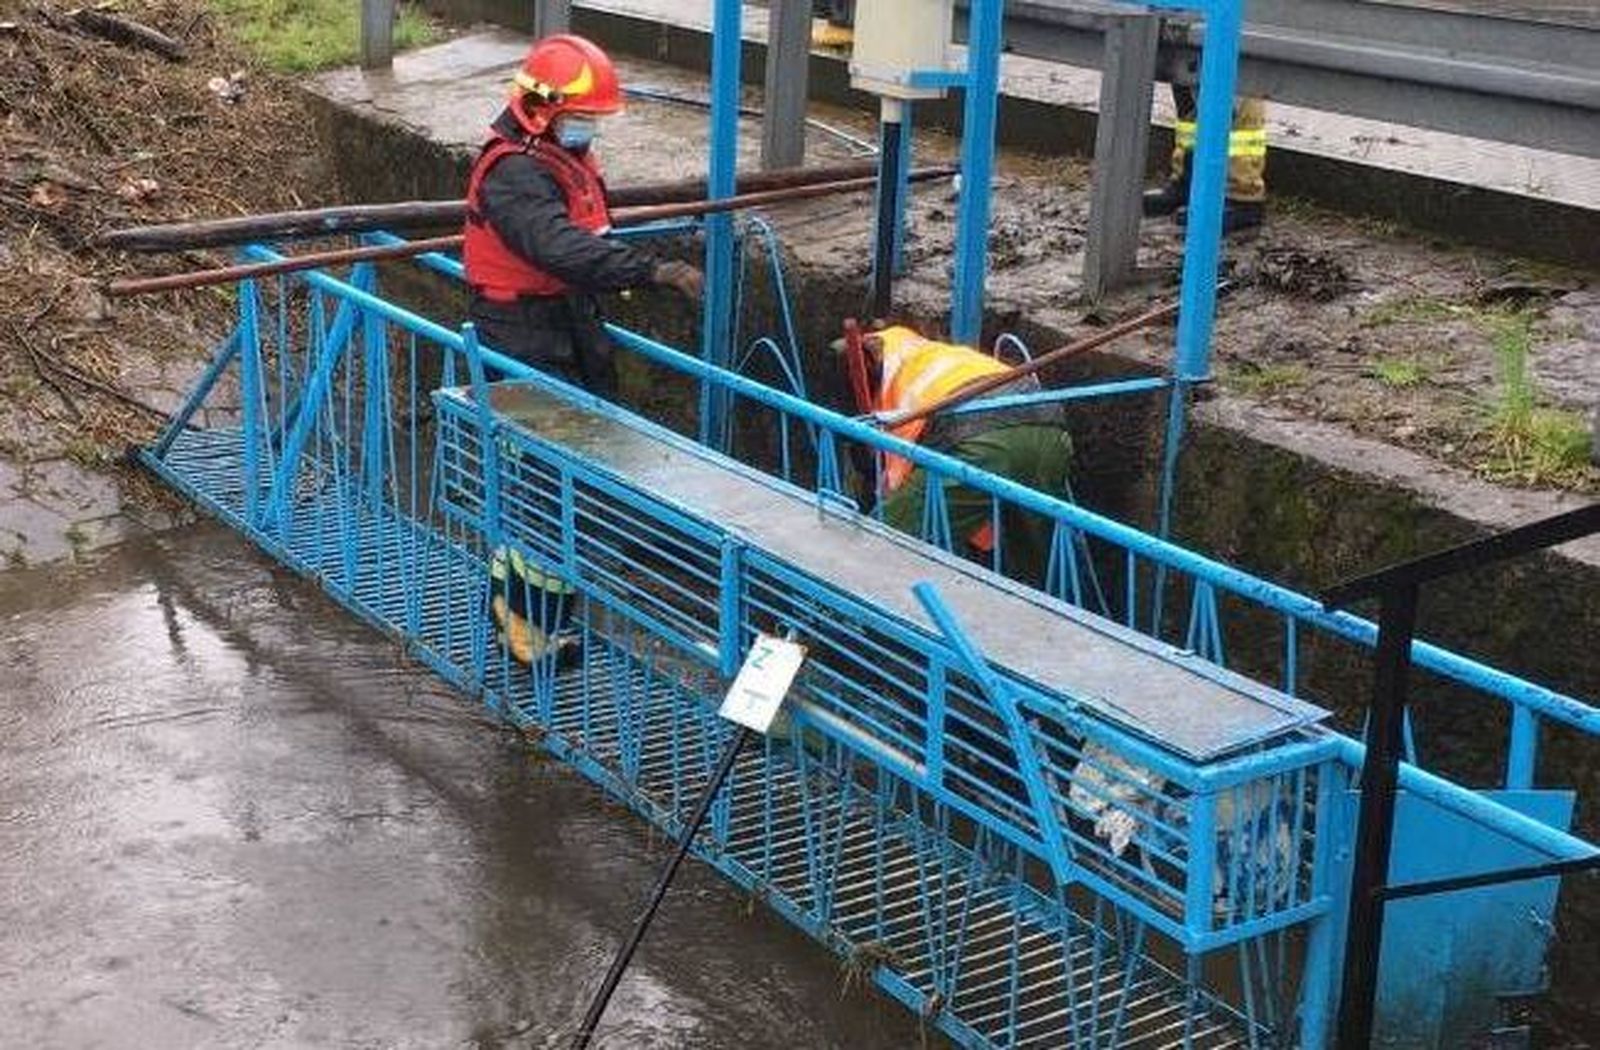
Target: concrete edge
pixel 1447 489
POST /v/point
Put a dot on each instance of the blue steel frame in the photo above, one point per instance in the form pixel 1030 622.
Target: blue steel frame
pixel 325 471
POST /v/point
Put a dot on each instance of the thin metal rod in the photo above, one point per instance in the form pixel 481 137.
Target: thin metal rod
pixel 1375 824
pixel 1489 878
pixel 402 215
pixel 619 965
pixel 309 261
pixel 372 253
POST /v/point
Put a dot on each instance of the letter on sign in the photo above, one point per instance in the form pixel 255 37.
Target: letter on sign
pixel 761 684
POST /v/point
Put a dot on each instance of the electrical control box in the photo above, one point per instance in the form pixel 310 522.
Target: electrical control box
pixel 895 38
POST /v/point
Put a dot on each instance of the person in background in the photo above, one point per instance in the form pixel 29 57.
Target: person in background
pixel 1247 164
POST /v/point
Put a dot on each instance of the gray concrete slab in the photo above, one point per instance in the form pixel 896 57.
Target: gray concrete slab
pixel 1176 698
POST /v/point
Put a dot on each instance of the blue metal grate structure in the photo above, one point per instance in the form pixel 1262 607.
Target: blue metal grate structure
pixel 1005 805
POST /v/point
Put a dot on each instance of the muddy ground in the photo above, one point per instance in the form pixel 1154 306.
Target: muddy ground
pixel 96 134
pixel 1482 361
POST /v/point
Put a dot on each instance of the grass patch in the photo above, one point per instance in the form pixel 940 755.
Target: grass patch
pixel 1414 309
pixel 1398 372
pixel 1267 379
pixel 299 36
pixel 1527 442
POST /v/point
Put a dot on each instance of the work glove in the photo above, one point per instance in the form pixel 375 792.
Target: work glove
pixel 687 280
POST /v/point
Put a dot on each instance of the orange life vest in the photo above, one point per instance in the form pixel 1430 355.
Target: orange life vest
pixel 493 269
pixel 918 372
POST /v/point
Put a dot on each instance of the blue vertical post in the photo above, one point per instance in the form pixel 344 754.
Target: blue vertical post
pixel 1523 754
pixel 1219 63
pixel 901 168
pixel 1319 988
pixel 250 421
pixel 977 168
pixel 717 323
pixel 890 207
pixel 1202 249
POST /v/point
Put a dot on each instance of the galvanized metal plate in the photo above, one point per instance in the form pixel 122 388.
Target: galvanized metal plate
pixel 1175 698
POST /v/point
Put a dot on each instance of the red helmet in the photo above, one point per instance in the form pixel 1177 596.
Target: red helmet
pixel 563 74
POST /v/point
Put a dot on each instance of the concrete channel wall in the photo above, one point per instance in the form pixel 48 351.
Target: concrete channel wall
pixel 1302 504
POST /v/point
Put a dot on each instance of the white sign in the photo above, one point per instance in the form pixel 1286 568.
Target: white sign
pixel 758 690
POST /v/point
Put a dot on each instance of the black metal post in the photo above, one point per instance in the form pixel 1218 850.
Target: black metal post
pixel 1380 776
pixel 619 965
pixel 1397 588
pixel 888 215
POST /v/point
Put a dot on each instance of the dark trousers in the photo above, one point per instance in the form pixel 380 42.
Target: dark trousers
pixel 563 336
pixel 1030 454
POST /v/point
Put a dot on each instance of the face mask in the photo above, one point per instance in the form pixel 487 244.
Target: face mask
pixel 574 132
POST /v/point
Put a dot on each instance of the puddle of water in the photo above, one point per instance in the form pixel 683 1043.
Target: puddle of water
pixel 230 815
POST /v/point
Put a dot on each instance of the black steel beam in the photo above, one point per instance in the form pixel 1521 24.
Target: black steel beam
pixel 1547 532
pixel 1490 878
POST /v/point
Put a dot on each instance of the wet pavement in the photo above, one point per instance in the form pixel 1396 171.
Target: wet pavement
pixel 230 815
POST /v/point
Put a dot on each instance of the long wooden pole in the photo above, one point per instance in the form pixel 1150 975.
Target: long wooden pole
pixel 415 215
pixel 371 253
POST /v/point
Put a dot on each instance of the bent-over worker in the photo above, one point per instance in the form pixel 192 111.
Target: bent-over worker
pixel 1027 444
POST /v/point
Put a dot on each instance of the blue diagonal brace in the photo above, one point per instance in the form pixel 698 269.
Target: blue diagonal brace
pixel 1005 704
pixel 334 346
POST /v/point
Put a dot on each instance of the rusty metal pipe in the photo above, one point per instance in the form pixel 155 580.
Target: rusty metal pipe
pixel 979 387
pixel 622 217
pixel 409 215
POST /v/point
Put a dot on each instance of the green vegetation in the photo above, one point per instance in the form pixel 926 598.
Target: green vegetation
pixel 1267 379
pixel 1529 443
pixel 1398 372
pixel 77 539
pixel 1413 309
pixel 88 453
pixel 298 36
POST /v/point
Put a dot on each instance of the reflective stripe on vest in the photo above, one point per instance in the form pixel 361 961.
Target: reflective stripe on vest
pixel 493 269
pixel 918 372
pixel 526 571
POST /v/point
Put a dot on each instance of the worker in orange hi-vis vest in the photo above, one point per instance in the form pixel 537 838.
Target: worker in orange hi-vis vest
pixel 1247 164
pixel 904 372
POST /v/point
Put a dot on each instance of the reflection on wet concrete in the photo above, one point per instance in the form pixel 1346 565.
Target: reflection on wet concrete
pixel 232 816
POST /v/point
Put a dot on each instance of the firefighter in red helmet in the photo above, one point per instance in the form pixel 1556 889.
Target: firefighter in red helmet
pixel 536 250
pixel 536 254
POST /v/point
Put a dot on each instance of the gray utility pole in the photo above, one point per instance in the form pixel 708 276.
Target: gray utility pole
pixel 1122 136
pixel 783 128
pixel 377 33
pixel 550 17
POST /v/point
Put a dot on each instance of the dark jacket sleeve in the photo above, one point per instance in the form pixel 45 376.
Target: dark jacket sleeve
pixel 525 206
